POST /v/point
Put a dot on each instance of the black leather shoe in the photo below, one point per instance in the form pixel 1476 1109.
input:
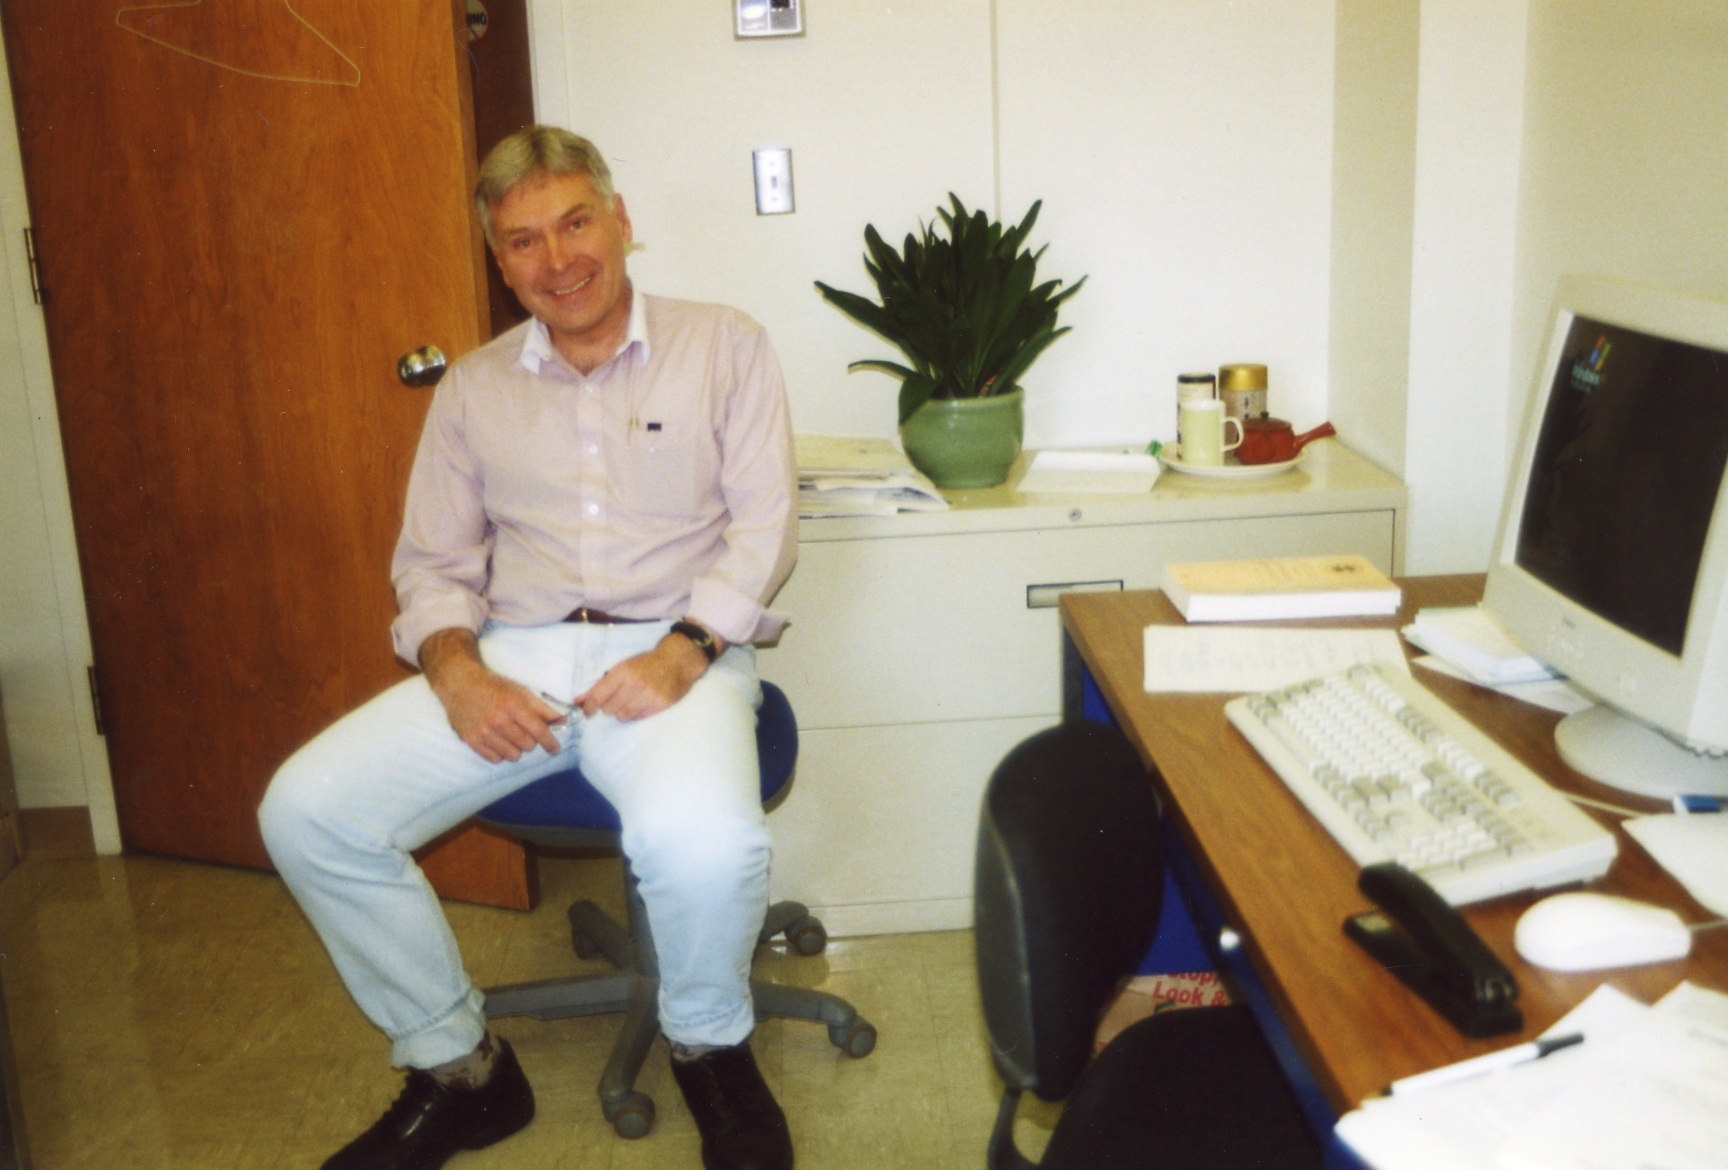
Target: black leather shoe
pixel 430 1121
pixel 741 1124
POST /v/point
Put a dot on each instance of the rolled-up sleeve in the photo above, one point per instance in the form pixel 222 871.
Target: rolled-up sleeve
pixel 440 567
pixel 759 482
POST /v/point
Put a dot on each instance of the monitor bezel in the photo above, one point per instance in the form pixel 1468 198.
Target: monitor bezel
pixel 1683 695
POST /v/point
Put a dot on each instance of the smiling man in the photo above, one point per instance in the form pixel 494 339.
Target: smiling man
pixel 602 506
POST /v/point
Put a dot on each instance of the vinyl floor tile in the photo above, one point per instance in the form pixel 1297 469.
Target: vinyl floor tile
pixel 171 1014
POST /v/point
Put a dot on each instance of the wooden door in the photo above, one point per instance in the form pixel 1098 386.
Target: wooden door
pixel 245 211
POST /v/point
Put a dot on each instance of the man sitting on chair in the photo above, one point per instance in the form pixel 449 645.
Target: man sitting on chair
pixel 602 505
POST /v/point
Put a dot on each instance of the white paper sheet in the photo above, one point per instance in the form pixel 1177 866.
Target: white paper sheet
pixel 1656 1098
pixel 1694 851
pixel 1464 1125
pixel 1245 660
pixel 1083 472
pixel 1555 694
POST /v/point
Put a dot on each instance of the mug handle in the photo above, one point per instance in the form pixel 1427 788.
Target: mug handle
pixel 1231 420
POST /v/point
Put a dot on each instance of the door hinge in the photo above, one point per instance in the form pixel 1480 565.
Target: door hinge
pixel 35 266
pixel 96 701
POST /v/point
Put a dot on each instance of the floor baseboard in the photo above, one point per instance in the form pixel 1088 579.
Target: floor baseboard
pixel 57 832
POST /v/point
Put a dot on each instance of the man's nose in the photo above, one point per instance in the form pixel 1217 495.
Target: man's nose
pixel 559 252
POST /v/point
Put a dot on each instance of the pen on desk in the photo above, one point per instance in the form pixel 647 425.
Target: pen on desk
pixel 1505 1058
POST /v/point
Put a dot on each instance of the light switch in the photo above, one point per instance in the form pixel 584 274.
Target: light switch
pixel 773 181
pixel 769 18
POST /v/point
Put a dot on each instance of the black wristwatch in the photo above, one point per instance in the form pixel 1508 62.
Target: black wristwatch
pixel 703 640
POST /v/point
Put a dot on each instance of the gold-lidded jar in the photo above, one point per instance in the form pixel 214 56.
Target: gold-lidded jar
pixel 1243 388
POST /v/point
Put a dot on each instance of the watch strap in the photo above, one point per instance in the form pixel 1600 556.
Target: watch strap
pixel 701 638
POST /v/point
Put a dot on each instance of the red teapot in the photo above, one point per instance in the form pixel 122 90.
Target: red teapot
pixel 1272 440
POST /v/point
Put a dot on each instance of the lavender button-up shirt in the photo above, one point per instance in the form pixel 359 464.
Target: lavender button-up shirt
pixel 662 485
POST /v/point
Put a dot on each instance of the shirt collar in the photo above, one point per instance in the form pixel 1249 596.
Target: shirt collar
pixel 537 347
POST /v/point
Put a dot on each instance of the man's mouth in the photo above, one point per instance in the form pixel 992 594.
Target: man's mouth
pixel 573 289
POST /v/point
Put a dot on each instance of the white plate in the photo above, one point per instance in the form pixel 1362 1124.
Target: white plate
pixel 1171 456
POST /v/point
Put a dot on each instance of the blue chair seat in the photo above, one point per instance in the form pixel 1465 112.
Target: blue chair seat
pixel 565 801
pixel 564 811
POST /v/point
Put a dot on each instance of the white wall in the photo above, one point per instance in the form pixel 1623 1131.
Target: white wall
pixel 1625 154
pixel 57 758
pixel 1469 103
pixel 1183 153
pixel 1181 150
pixel 886 107
pixel 1373 223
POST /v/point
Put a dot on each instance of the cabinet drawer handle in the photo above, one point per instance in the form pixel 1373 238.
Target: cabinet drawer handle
pixel 1044 596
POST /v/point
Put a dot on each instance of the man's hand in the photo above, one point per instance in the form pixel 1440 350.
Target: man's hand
pixel 648 683
pixel 498 718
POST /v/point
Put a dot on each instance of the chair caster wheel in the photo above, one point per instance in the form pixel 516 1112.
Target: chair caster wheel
pixel 633 1117
pixel 857 1039
pixel 807 936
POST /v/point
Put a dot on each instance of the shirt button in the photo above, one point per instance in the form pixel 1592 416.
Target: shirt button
pixel 593 448
pixel 593 509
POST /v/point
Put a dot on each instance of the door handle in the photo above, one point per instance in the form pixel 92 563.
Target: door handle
pixel 422 367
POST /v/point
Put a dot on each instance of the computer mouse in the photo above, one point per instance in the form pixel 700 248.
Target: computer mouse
pixel 1582 931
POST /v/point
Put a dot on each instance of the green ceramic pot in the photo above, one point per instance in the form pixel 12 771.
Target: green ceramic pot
pixel 966 442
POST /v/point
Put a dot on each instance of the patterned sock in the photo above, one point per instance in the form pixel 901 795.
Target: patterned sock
pixel 471 1071
pixel 687 1052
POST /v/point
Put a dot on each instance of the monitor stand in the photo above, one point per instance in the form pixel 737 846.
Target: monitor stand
pixel 1625 753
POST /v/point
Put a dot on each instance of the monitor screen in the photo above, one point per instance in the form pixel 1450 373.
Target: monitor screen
pixel 1628 465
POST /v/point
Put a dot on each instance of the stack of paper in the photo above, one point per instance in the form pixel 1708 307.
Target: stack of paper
pixel 1470 639
pixel 1646 1088
pixel 1279 588
pixel 853 476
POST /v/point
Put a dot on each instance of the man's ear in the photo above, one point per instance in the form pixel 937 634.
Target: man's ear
pixel 623 214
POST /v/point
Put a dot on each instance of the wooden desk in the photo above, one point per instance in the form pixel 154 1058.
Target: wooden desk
pixel 1281 883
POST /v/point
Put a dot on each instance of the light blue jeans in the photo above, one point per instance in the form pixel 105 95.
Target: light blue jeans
pixel 343 814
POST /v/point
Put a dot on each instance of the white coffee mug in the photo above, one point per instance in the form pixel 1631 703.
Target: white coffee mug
pixel 1203 426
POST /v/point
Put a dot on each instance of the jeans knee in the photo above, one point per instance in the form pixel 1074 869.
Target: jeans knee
pixel 296 812
pixel 711 855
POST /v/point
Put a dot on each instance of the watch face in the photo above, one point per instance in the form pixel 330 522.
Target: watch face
pixel 703 640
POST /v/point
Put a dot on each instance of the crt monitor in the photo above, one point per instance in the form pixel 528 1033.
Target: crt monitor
pixel 1611 564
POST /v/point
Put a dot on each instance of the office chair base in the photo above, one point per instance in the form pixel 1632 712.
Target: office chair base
pixel 634 990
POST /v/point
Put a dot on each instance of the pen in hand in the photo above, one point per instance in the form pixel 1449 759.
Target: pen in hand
pixel 1505 1058
pixel 564 708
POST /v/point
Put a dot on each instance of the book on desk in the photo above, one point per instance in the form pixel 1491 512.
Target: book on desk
pixel 1275 588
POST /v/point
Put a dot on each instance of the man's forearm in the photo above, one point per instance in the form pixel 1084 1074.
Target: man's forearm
pixel 446 654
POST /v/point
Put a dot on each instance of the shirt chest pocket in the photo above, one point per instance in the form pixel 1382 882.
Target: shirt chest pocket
pixel 663 474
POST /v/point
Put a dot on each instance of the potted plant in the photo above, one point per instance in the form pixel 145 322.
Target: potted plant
pixel 961 302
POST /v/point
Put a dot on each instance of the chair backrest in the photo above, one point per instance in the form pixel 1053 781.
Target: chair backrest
pixel 1067 885
pixel 565 801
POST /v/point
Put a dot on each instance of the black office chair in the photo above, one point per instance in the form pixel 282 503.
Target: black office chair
pixel 1069 876
pixel 564 811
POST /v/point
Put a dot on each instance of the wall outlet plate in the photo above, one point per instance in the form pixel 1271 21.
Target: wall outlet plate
pixel 773 169
pixel 769 18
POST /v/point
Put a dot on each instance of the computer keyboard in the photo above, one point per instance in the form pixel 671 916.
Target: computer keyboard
pixel 1394 774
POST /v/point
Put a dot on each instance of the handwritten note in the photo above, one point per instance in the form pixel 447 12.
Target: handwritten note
pixel 1245 660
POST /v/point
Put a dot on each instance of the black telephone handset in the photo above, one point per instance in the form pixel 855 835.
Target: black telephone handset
pixel 1427 944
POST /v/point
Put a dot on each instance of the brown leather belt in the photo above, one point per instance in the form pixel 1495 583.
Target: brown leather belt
pixel 594 617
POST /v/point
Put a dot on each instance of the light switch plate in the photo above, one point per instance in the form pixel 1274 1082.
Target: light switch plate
pixel 769 18
pixel 773 181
